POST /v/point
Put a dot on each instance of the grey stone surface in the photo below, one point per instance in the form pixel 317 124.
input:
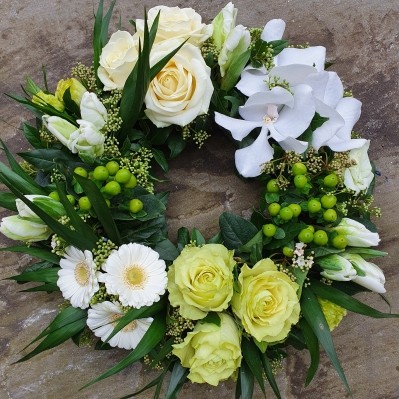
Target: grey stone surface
pixel 362 37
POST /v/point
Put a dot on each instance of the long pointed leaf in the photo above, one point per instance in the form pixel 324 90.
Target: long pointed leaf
pixel 47 287
pixel 177 379
pixel 43 275
pixel 7 200
pixel 160 64
pixel 346 301
pixel 101 208
pixel 97 39
pixel 270 376
pixel 314 316
pixel 33 251
pixel 150 339
pixel 252 357
pixel 246 382
pixel 313 346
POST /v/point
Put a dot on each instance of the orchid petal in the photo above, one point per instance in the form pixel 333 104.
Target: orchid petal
pixel 313 56
pixel 349 108
pixel 239 128
pixel 338 145
pixel 273 30
pixel 329 128
pixel 292 122
pixel 250 159
pixel 252 81
pixel 294 74
pixel 327 87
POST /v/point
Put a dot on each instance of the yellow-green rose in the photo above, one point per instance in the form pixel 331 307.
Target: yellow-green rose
pixel 200 280
pixel 75 88
pixel 267 302
pixel 43 98
pixel 212 353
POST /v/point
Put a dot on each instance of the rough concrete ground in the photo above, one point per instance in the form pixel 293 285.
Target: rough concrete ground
pixel 362 37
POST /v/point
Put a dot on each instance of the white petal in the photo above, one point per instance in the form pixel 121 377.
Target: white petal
pixel 328 129
pixel 338 145
pixel 238 127
pixel 249 159
pixel 327 87
pixel 273 30
pixel 350 109
pixel 294 74
pixel 252 81
pixel 313 56
pixel 291 144
pixel 292 122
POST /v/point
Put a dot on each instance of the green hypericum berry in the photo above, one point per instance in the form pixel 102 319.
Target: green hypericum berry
pixel 80 171
pixel 135 205
pixel 71 199
pixel 54 195
pixel 299 168
pixel 84 204
pixel 330 180
pixel 112 188
pixel 328 201
pixel 269 230
pixel 132 183
pixel 286 213
pixel 272 186
pixel 123 176
pixel 296 209
pixel 100 173
pixel 112 167
pixel 300 181
pixel 289 252
pixel 339 241
pixel 306 236
pixel 310 227
pixel 274 208
pixel 320 237
pixel 314 205
pixel 330 215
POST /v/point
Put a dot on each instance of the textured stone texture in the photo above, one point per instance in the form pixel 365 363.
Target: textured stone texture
pixel 362 38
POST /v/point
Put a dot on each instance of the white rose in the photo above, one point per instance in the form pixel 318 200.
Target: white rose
pixel 176 23
pixel 117 60
pixel 359 176
pixel 182 90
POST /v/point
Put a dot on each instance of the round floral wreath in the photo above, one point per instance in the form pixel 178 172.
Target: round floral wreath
pixel 208 310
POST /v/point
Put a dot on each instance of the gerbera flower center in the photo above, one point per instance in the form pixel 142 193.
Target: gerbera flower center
pixel 129 327
pixel 82 273
pixel 135 276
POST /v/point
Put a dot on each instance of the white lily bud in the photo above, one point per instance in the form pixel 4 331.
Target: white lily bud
pixel 49 205
pixel 357 235
pixel 337 268
pixel 60 128
pixel 223 24
pixel 93 110
pixel 20 229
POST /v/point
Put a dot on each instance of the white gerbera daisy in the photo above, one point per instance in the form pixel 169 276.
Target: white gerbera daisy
pixel 136 274
pixel 77 278
pixel 102 319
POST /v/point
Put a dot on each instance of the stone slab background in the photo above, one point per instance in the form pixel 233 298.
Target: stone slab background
pixel 362 38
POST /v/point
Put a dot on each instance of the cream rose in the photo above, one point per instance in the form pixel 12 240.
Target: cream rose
pixel 200 280
pixel 267 302
pixel 212 353
pixel 359 177
pixel 117 60
pixel 176 23
pixel 182 90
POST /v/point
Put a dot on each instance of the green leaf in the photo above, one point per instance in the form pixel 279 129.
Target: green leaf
pixel 216 239
pixel 176 144
pixel 183 238
pixel 43 275
pixel 346 301
pixel 66 324
pixel 160 158
pixel 212 318
pixel 33 251
pixel 160 64
pixel 151 338
pixel 236 231
pixel 39 266
pixel 313 346
pixel 233 72
pixel 323 251
pixel 317 121
pixel 101 209
pixel 253 359
pixel 156 381
pixel 278 46
pixel 291 231
pixel 177 379
pixel 47 287
pixel 7 200
pixel 166 250
pixel 317 322
pixel 197 237
pixel 270 376
pixel 245 382
pixel 366 253
pixel 257 239
pixel 8 177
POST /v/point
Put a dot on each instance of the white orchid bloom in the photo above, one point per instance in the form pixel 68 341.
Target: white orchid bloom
pixel 281 116
pixel 273 30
